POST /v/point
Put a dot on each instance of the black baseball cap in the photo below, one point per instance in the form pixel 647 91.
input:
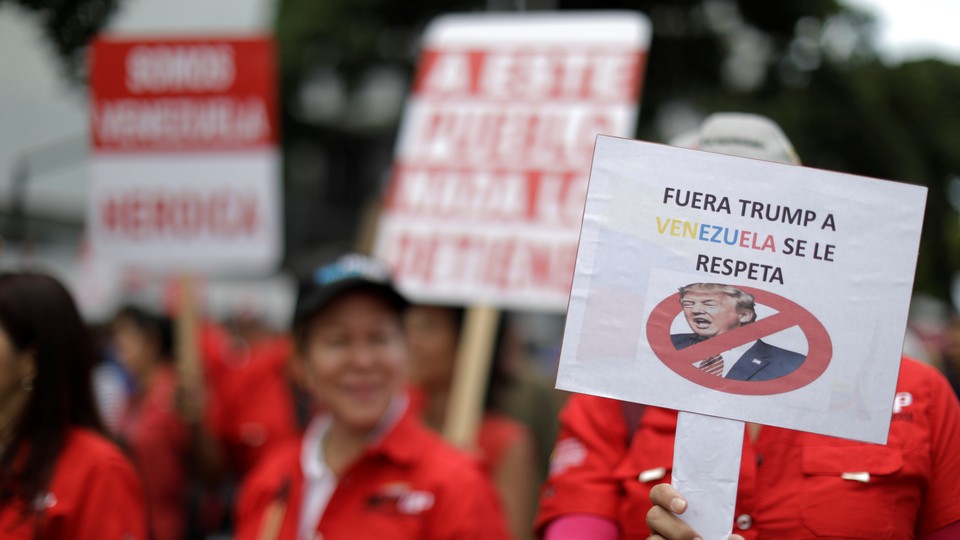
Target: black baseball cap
pixel 349 272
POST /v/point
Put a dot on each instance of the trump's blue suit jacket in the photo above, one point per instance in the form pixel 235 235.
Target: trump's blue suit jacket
pixel 761 362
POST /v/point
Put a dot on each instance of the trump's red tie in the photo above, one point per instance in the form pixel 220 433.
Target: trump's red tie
pixel 713 365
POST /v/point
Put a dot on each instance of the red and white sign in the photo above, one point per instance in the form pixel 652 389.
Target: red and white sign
pixel 493 156
pixel 185 165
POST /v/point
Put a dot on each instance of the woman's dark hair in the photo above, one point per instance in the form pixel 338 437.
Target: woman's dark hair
pixel 157 327
pixel 39 315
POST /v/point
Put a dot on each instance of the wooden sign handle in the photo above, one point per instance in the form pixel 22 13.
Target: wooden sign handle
pixel 187 348
pixel 471 375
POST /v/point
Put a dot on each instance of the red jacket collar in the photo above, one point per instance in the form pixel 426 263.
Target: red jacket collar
pixel 404 441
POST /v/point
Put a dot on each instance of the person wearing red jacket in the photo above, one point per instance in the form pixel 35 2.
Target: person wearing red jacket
pixel 504 444
pixel 610 471
pixel 251 405
pixel 792 484
pixel 150 428
pixel 60 477
pixel 366 467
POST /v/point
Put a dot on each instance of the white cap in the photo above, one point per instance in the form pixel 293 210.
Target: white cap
pixel 741 134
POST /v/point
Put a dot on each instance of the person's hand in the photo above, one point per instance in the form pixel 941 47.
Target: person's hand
pixel 663 523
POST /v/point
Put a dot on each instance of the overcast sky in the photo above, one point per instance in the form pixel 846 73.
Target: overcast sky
pixel 918 28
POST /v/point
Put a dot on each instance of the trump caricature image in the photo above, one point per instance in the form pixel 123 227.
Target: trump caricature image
pixel 711 309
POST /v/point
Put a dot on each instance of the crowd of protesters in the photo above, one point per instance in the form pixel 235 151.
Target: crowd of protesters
pixel 330 429
pixel 358 378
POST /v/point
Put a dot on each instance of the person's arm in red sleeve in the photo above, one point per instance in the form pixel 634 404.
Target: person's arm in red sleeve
pixel 941 502
pixel 114 504
pixel 591 443
pixel 577 526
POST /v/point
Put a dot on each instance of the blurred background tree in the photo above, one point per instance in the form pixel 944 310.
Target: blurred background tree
pixel 69 25
pixel 810 65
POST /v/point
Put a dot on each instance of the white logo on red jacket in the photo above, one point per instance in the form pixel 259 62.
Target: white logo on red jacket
pixel 902 400
pixel 400 498
pixel 568 453
pixel 44 501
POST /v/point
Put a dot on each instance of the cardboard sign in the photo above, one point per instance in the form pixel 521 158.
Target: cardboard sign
pixel 185 165
pixel 492 159
pixel 810 275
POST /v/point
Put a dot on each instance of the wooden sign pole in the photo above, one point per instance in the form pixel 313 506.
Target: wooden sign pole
pixel 188 347
pixel 471 376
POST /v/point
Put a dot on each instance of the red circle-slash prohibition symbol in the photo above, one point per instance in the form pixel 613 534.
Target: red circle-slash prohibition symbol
pixel 789 314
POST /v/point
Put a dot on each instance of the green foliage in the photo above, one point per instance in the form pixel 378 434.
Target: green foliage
pixel 810 65
pixel 352 34
pixel 814 70
pixel 69 26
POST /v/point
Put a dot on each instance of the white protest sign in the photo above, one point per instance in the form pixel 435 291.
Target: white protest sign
pixel 185 163
pixel 492 158
pixel 826 261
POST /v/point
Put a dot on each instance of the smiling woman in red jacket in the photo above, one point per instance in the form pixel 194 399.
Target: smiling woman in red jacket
pixel 59 476
pixel 366 467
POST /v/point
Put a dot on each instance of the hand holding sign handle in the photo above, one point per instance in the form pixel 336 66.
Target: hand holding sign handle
pixel 662 520
pixel 706 468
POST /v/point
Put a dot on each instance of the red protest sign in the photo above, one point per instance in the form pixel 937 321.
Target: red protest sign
pixel 185 164
pixel 489 181
pixel 183 94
